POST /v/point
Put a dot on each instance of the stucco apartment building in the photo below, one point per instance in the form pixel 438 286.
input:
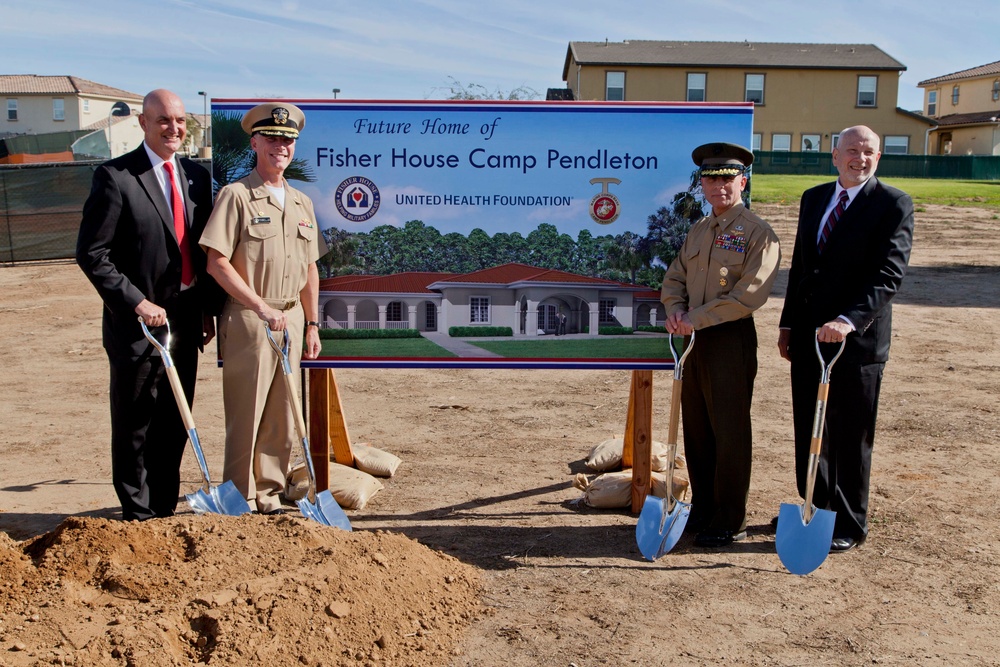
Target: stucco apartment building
pixel 966 105
pixel 804 94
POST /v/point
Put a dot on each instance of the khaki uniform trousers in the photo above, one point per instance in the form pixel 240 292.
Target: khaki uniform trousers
pixel 260 428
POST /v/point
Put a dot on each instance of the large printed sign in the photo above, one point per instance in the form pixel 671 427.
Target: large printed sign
pixel 492 234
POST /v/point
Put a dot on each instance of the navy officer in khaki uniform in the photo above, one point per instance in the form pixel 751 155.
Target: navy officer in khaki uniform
pixel 723 273
pixel 262 242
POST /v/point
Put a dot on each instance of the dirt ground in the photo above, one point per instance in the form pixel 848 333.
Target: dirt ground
pixel 478 553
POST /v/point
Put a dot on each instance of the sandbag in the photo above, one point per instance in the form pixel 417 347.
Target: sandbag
pixel 614 489
pixel 608 456
pixel 374 461
pixel 352 488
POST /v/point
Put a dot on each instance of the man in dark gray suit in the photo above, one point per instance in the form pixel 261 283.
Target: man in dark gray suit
pixel 138 245
pixel 851 252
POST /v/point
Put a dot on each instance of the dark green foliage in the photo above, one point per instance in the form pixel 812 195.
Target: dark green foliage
pixel 650 329
pixel 479 332
pixel 614 331
pixel 232 158
pixel 335 334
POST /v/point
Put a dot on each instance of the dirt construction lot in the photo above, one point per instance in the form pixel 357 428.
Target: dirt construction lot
pixel 477 552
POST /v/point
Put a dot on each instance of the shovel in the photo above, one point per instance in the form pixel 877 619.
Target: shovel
pixel 804 533
pixel 662 520
pixel 320 507
pixel 222 499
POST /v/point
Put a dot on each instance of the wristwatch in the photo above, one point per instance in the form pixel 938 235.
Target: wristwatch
pixel 310 323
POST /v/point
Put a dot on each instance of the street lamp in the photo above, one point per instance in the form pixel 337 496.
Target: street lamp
pixel 335 91
pixel 117 109
pixel 204 118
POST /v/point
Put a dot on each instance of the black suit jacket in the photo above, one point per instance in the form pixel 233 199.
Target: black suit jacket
pixel 128 249
pixel 858 273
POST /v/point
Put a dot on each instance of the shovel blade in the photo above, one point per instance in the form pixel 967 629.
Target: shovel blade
pixel 229 500
pixel 803 547
pixel 202 503
pixel 657 530
pixel 325 511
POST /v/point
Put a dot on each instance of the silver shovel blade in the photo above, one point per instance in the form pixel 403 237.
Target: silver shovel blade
pixel 202 503
pixel 803 547
pixel 657 530
pixel 325 511
pixel 229 500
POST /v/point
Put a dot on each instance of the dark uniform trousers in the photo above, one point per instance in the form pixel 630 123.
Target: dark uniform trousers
pixel 848 433
pixel 147 433
pixel 718 441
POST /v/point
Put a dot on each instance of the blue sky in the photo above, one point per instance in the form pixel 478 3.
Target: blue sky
pixel 410 49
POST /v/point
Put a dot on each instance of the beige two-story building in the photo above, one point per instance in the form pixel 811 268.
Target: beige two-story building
pixel 966 105
pixel 803 94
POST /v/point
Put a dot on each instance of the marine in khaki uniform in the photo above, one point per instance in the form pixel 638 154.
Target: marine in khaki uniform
pixel 724 272
pixel 262 242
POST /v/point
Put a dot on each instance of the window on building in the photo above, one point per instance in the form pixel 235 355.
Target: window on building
pixel 755 142
pixel 430 317
pixel 867 88
pixel 954 96
pixel 810 143
pixel 479 310
pixel 696 87
pixel 394 312
pixel 86 106
pixel 896 145
pixel 932 103
pixel 996 90
pixel 834 140
pixel 614 86
pixel 58 109
pixel 11 109
pixel 781 142
pixel 754 88
pixel 606 311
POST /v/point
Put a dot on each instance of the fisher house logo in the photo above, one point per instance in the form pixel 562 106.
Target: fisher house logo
pixel 357 199
pixel 605 207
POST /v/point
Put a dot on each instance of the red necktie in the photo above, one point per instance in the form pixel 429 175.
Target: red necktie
pixel 180 229
pixel 835 214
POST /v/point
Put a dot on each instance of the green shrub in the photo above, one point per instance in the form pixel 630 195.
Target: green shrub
pixel 479 332
pixel 614 331
pixel 651 329
pixel 341 334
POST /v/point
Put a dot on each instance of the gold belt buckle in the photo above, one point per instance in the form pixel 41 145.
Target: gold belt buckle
pixel 289 304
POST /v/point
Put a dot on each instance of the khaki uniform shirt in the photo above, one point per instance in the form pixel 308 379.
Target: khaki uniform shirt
pixel 269 247
pixel 724 270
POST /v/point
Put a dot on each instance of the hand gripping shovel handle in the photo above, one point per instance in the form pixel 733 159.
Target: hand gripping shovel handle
pixel 819 419
pixel 181 399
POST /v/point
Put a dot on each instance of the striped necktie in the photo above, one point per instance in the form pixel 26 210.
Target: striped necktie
pixel 835 214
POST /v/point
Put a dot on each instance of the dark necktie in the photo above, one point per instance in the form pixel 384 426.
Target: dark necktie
pixel 831 221
pixel 180 229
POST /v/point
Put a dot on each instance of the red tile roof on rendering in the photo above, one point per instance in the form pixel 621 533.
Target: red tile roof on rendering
pixel 508 274
pixel 731 54
pixel 414 282
pixel 974 118
pixel 971 73
pixel 37 84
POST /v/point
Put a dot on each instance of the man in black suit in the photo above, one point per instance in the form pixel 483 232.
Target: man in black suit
pixel 851 251
pixel 138 245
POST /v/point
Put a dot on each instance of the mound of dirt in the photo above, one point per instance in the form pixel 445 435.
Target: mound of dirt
pixel 221 590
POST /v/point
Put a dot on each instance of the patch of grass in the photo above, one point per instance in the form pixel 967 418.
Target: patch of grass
pixel 588 348
pixel 392 347
pixel 788 189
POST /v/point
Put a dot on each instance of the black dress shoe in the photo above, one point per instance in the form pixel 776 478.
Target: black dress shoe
pixel 842 544
pixel 718 538
pixel 275 512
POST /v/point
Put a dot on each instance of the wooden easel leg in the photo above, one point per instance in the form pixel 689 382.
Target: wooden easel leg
pixel 340 439
pixel 641 413
pixel 627 450
pixel 319 425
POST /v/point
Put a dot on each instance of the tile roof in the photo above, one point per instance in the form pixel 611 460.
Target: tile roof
pixel 973 118
pixel 507 274
pixel 971 73
pixel 36 84
pixel 731 54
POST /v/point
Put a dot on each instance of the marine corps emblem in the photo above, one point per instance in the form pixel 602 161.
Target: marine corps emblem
pixel 279 115
pixel 604 207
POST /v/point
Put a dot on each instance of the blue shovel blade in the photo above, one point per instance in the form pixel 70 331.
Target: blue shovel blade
pixel 229 499
pixel 331 511
pixel 657 531
pixel 202 503
pixel 803 547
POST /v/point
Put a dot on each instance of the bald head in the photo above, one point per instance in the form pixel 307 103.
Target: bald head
pixel 163 122
pixel 856 155
pixel 860 133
